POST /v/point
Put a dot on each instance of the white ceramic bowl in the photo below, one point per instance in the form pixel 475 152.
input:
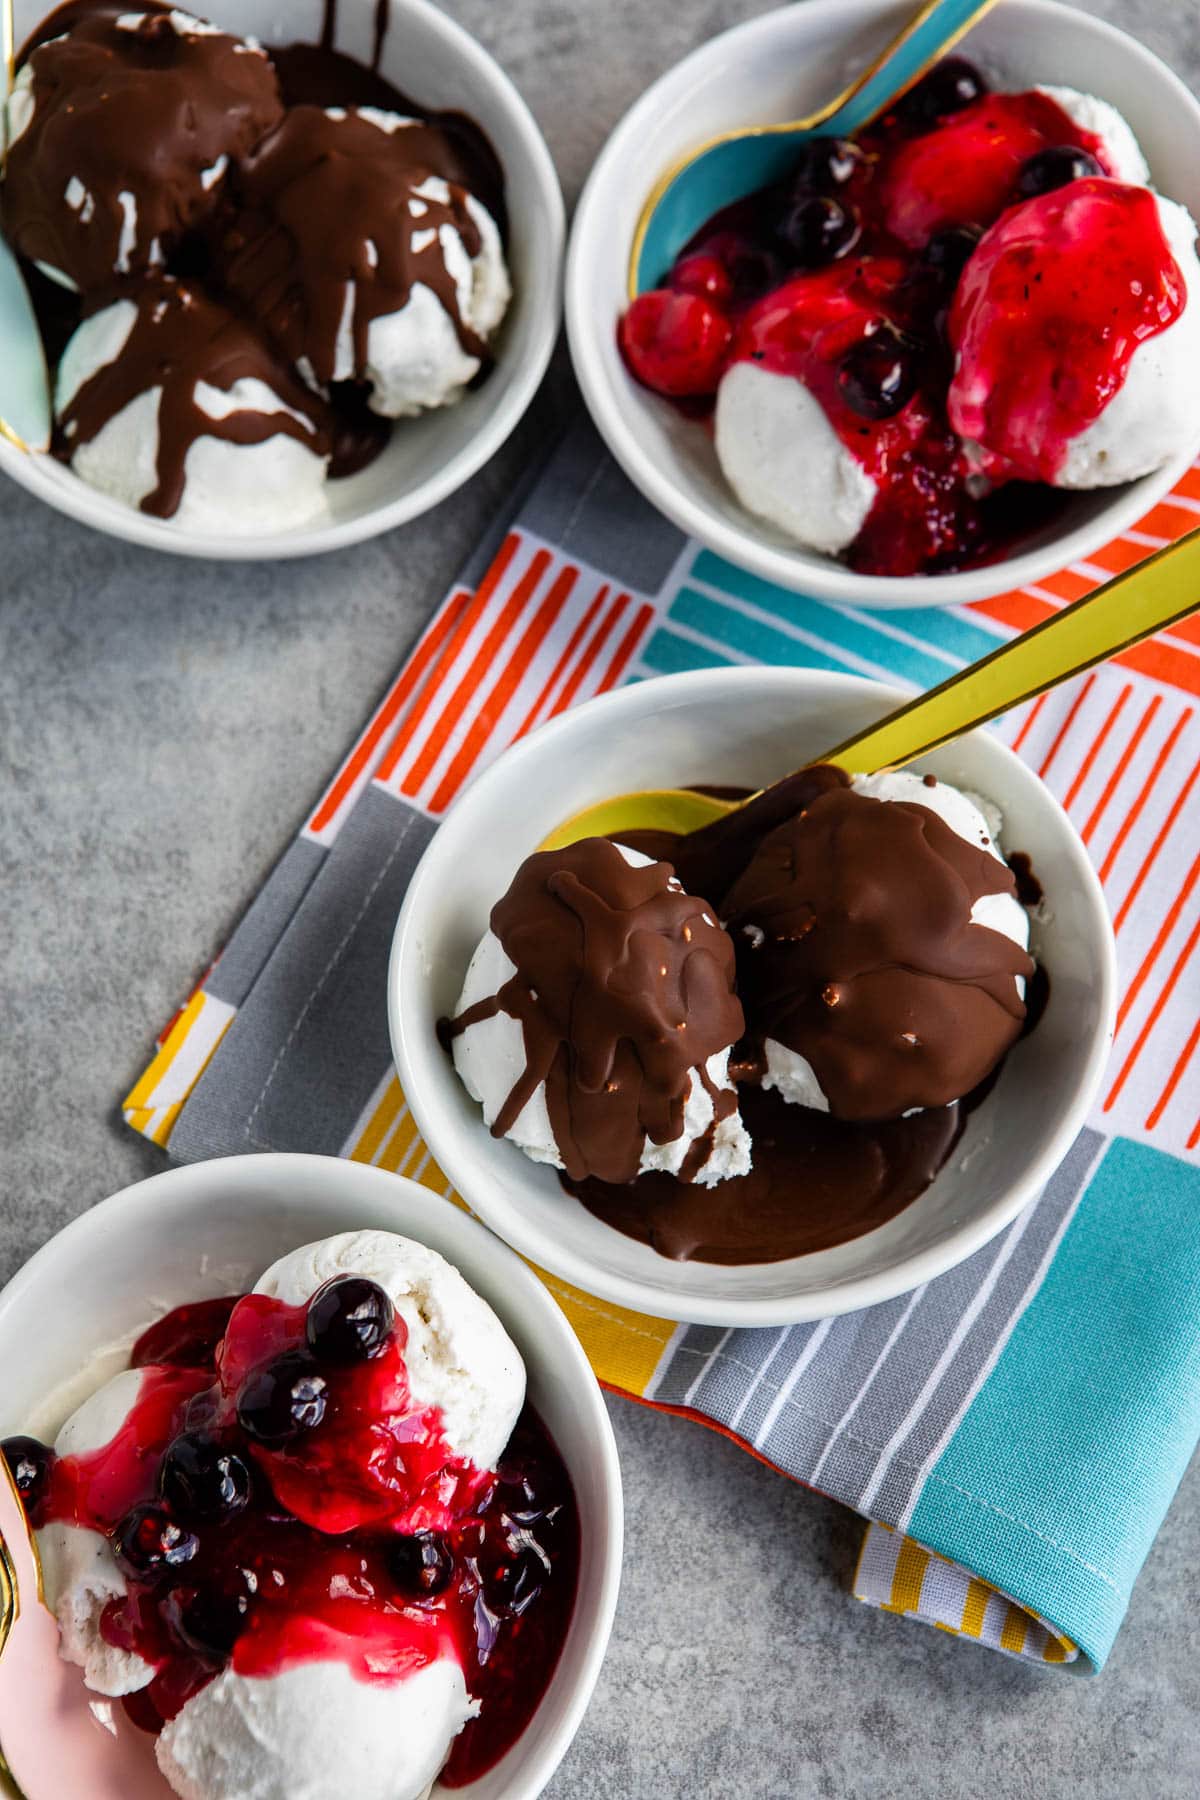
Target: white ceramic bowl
pixel 777 67
pixel 440 65
pixel 212 1228
pixel 745 725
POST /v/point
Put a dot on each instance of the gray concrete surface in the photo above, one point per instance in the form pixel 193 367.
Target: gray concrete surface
pixel 163 725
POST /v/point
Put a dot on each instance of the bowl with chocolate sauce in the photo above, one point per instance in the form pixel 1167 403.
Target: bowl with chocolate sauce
pixel 308 300
pixel 810 380
pixel 143 1288
pixel 759 1078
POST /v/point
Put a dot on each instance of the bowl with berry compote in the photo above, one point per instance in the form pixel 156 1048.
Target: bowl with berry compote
pixel 924 365
pixel 316 1488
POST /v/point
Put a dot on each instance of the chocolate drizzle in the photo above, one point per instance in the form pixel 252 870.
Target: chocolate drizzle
pixel 181 338
pixel 337 201
pixel 135 126
pixel 856 949
pixel 623 990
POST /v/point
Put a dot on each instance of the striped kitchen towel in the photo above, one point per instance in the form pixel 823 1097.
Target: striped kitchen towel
pixel 1013 1430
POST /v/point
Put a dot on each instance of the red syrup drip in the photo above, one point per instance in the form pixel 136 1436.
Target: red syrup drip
pixel 907 187
pixel 267 1589
pixel 1045 341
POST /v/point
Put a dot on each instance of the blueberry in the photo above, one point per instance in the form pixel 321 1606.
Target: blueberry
pixel 349 1320
pixel 949 86
pixel 1048 169
pixel 422 1565
pixel 877 375
pixel 210 1623
pixel 824 165
pixel 516 1585
pixel 948 252
pixel 817 231
pixel 201 1479
pixel 282 1399
pixel 150 1545
pixel 29 1464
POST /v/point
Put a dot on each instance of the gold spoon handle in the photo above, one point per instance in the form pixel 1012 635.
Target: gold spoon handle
pixel 1147 598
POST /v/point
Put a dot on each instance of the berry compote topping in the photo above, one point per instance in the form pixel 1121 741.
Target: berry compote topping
pixel 1044 342
pixel 275 1496
pixel 843 276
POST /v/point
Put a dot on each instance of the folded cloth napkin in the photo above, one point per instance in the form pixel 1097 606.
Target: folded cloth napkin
pixel 1014 1430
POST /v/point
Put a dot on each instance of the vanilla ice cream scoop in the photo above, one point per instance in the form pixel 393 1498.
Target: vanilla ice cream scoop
pixel 367 257
pixel 169 403
pixel 1076 331
pixel 315 1731
pixel 457 1354
pixel 596 1019
pixel 121 134
pixel 881 947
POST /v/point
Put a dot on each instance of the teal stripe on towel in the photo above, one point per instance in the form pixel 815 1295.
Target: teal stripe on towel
pixel 1105 1431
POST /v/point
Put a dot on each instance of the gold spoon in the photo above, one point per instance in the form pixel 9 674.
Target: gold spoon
pixel 1148 598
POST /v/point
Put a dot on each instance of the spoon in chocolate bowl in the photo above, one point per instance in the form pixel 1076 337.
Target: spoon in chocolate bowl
pixel 24 381
pixel 1146 599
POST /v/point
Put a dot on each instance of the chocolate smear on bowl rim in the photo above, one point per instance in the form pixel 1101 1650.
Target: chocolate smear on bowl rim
pixel 624 988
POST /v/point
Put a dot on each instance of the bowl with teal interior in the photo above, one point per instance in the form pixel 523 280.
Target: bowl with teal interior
pixel 778 67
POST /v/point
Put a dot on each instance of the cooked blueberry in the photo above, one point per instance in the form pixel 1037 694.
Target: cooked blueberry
pixel 151 1545
pixel 949 86
pixel 29 1464
pixel 282 1399
pixel 422 1565
pixel 516 1584
pixel 817 231
pixel 202 1479
pixel 349 1319
pixel 948 252
pixel 824 165
pixel 877 375
pixel 1048 169
pixel 210 1623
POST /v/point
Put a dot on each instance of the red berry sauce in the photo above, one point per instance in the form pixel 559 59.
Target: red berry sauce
pixel 844 276
pixel 1045 341
pixel 360 1538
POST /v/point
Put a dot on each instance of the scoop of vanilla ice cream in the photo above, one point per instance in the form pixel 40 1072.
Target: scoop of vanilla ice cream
pixel 79 1571
pixel 414 359
pixel 490 1058
pixel 233 489
pixel 458 1355
pixel 313 1731
pixel 1154 415
pixel 1101 120
pixel 972 818
pixel 784 460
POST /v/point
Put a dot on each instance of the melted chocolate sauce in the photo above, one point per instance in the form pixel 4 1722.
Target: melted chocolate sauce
pixel 623 989
pixel 181 339
pixel 816 1181
pixel 327 201
pixel 137 128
